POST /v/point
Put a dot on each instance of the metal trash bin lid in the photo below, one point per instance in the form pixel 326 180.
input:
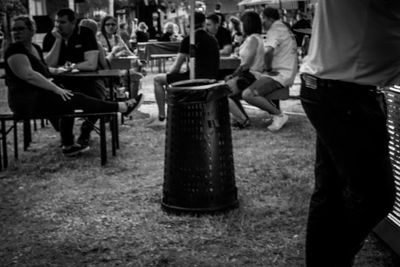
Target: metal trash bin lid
pixel 186 84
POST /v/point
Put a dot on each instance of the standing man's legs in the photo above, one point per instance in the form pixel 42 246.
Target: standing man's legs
pixel 354 184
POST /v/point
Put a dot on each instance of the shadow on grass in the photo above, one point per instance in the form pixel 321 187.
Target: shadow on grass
pixel 56 211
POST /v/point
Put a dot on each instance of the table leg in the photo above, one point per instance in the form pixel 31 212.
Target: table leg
pixel 4 143
pixel 103 145
pixel 15 122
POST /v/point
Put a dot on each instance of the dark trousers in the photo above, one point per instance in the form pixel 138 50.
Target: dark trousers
pixel 354 185
pixel 51 104
pixel 93 88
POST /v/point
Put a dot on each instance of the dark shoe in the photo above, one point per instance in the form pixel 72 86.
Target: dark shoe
pixel 133 104
pixel 241 125
pixel 75 149
pixel 83 141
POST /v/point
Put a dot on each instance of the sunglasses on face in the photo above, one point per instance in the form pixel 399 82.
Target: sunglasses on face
pixel 16 29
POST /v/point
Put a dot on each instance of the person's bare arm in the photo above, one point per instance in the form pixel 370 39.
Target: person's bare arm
pixel 52 56
pixel 21 67
pixel 180 59
pixel 268 56
pixel 226 50
pixel 91 61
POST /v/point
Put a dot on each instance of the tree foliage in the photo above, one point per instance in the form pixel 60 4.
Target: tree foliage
pixel 12 7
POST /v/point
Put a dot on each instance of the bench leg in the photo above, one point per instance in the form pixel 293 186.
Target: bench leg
pixel 1 162
pixel 2 138
pixel 113 125
pixel 4 143
pixel 103 145
pixel 15 139
pixel 116 129
pixel 27 134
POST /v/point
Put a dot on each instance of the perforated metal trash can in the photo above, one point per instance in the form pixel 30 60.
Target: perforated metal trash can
pixel 199 171
pixel 389 228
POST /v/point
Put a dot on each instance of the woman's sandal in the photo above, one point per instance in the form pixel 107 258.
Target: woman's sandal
pixel 241 125
pixel 133 106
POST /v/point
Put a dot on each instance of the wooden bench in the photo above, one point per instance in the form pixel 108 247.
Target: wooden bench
pixel 101 130
pixel 160 61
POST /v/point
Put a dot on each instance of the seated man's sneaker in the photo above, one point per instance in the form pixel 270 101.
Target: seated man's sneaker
pixel 277 122
pixel 75 149
pixel 83 141
pixel 268 120
pixel 156 122
pixel 133 104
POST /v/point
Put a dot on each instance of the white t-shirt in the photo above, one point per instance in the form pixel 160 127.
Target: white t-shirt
pixel 355 41
pixel 285 53
pixel 247 49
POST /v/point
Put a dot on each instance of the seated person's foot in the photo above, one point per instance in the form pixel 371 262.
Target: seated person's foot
pixel 277 122
pixel 241 125
pixel 73 150
pixel 83 141
pixel 268 120
pixel 157 122
pixel 133 104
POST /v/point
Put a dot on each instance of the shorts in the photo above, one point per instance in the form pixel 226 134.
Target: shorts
pixel 177 77
pixel 265 85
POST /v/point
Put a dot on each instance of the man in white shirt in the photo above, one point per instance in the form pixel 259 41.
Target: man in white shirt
pixel 281 67
pixel 355 47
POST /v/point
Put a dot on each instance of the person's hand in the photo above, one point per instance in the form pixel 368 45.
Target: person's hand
pixel 123 53
pixel 116 49
pixel 65 94
pixel 56 33
pixel 228 77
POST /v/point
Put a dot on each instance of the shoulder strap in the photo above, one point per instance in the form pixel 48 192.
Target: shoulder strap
pixel 108 43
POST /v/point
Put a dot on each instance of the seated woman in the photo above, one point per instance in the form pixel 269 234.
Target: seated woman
pixel 141 34
pixel 170 34
pixel 110 40
pixel 115 47
pixel 251 54
pixel 31 92
pixel 237 36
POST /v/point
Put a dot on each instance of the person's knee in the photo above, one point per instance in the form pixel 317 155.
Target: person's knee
pixel 160 79
pixel 248 94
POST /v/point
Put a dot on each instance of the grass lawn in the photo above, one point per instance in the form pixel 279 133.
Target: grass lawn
pixel 57 211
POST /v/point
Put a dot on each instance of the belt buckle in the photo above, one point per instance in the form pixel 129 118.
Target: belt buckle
pixel 310 81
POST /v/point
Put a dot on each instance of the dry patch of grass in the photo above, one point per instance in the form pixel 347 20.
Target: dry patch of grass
pixel 56 211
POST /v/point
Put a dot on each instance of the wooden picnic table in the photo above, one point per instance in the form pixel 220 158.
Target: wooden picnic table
pixel 100 74
pixel 124 63
pixel 147 49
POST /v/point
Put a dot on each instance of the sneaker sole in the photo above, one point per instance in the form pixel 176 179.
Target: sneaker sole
pixel 155 125
pixel 275 130
pixel 75 153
